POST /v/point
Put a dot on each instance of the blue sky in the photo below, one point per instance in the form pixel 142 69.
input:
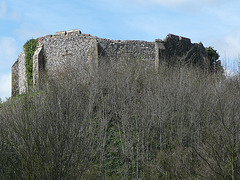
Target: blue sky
pixel 213 22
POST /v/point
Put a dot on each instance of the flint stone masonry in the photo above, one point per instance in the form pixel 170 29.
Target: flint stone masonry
pixel 22 75
pixel 56 53
pixel 38 64
pixel 112 51
pixel 72 50
pixel 15 77
pixel 181 49
pixel 76 31
pixel 60 33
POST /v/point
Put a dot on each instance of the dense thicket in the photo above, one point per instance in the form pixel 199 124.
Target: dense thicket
pixel 129 122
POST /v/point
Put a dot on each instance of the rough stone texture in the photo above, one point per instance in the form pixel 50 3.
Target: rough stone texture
pixel 93 58
pixel 86 53
pixel 22 81
pixel 180 49
pixel 15 77
pixel 60 33
pixel 68 50
pixel 75 31
pixel 38 64
pixel 115 50
pixel 159 52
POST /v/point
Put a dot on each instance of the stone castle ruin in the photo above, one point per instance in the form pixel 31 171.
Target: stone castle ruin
pixel 83 50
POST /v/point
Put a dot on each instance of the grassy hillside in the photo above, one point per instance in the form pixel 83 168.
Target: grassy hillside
pixel 128 123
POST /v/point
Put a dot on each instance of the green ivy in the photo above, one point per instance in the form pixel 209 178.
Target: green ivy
pixel 29 48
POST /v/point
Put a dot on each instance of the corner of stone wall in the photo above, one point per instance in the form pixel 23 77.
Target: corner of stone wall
pixel 159 49
pixel 38 64
pixel 22 73
pixel 15 77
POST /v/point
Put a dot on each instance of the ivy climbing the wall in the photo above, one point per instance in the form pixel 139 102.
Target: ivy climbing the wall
pixel 29 48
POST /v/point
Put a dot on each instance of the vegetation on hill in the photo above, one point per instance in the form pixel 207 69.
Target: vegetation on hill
pixel 213 57
pixel 128 123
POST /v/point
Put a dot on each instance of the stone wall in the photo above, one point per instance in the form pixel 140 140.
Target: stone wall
pixel 116 50
pixel 86 53
pixel 19 75
pixel 180 49
pixel 38 64
pixel 68 50
pixel 22 73
pixel 15 77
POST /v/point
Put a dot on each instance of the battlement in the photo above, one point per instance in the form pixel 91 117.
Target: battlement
pixel 74 31
pixel 176 38
pixel 61 33
pixel 172 37
pixel 184 39
pixel 70 32
pixel 64 34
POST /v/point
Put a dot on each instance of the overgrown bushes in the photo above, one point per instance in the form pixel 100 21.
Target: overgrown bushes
pixel 30 48
pixel 213 57
pixel 128 123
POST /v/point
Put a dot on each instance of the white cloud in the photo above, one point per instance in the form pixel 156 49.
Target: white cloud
pixel 229 48
pixel 5 86
pixel 233 44
pixel 190 5
pixel 28 31
pixel 3 8
pixel 8 55
pixel 230 45
pixel 169 2
pixel 8 52
pixel 6 12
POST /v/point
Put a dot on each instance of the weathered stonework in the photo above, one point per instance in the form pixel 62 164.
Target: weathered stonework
pixel 181 49
pixel 60 33
pixel 74 49
pixel 113 50
pixel 159 52
pixel 86 53
pixel 22 75
pixel 93 58
pixel 15 77
pixel 38 64
pixel 74 31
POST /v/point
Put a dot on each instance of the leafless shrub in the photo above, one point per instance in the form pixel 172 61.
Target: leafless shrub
pixel 125 122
